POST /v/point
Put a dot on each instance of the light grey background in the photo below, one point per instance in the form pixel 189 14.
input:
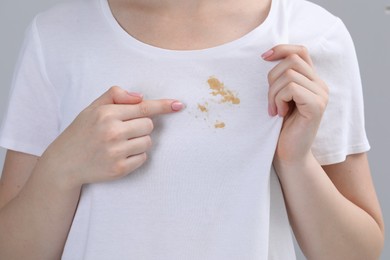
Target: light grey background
pixel 370 29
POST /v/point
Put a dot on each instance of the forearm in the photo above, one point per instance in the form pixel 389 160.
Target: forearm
pixel 107 141
pixel 326 224
pixel 35 224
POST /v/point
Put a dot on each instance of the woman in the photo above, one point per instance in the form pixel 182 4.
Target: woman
pixel 77 183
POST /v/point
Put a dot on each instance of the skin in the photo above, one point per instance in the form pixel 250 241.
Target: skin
pixel 333 209
pixel 107 141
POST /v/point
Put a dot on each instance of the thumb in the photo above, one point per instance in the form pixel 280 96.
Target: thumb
pixel 117 95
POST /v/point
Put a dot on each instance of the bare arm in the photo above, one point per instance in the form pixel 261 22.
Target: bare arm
pixel 334 211
pixel 36 213
pixel 11 184
pixel 38 197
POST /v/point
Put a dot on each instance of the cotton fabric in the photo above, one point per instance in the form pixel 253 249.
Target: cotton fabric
pixel 208 190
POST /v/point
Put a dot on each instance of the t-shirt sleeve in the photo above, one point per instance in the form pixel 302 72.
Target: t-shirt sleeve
pixel 342 130
pixel 31 122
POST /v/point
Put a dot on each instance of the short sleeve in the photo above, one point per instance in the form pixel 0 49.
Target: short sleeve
pixel 342 130
pixel 31 122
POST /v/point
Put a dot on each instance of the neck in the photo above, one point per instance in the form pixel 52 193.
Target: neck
pixel 187 6
pixel 189 24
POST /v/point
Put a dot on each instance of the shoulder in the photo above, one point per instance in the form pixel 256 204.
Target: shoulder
pixel 324 34
pixel 67 16
pixel 69 26
pixel 308 22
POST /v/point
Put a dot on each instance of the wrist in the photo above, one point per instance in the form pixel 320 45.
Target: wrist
pixel 297 166
pixel 56 175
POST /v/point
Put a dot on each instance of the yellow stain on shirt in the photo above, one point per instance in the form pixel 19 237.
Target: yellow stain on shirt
pixel 218 88
pixel 203 108
pixel 219 124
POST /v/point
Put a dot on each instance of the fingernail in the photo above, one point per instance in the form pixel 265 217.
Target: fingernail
pixel 134 94
pixel 177 106
pixel 267 54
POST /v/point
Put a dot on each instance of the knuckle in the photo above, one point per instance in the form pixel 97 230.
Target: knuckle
pixel 119 169
pixel 111 133
pixel 321 106
pixel 325 87
pixel 149 125
pixel 143 157
pixel 114 90
pixel 113 153
pixel 271 77
pixel 148 141
pixel 294 58
pixel 327 90
pixel 318 106
pixel 100 110
pixel 325 101
pixel 103 114
pixel 138 160
pixel 292 87
pixel 143 109
pixel 326 98
pixel 271 93
pixel 289 73
pixel 302 49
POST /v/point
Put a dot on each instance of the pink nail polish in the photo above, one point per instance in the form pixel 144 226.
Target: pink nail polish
pixel 134 94
pixel 267 54
pixel 177 106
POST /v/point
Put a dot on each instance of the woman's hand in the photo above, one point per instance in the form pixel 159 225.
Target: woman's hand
pixel 107 140
pixel 300 96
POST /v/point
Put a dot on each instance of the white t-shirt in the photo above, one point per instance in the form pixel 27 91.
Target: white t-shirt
pixel 208 190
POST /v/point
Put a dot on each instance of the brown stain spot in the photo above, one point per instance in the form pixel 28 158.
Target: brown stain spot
pixel 218 88
pixel 203 108
pixel 219 124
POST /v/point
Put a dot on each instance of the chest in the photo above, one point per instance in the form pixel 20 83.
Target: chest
pixel 217 92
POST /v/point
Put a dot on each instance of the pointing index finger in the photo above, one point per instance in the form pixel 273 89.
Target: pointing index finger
pixel 149 108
